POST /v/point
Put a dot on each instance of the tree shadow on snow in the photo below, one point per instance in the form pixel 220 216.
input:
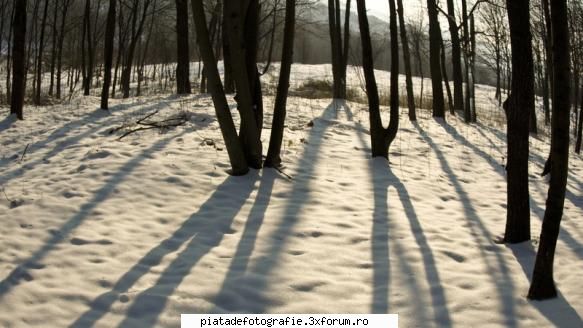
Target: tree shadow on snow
pixel 558 311
pixel 69 135
pixel 7 122
pixel 383 180
pixel 500 274
pixel 21 272
pixel 233 296
pixel 199 234
pixel 499 168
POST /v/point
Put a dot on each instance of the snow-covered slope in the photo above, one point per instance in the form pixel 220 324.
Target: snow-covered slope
pixel 103 232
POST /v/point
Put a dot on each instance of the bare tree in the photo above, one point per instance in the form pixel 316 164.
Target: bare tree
pixel 543 285
pixel 234 148
pixel 274 152
pixel 18 59
pixel 108 53
pixel 381 137
pixel 407 61
pixel 518 110
pixel 183 53
pixel 435 60
pixel 339 45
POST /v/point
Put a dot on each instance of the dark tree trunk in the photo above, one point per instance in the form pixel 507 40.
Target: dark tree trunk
pixel 579 127
pixel 54 49
pixel 466 40
pixel 88 39
pixel 435 60
pixel 183 51
pixel 18 61
pixel 407 60
pixel 518 111
pixel 338 67
pixel 543 285
pixel 65 10
pixel 456 57
pixel 229 82
pixel 39 60
pixel 228 130
pixel 135 36
pixel 549 51
pixel 381 138
pixel 108 53
pixel 446 80
pixel 236 25
pixel 277 127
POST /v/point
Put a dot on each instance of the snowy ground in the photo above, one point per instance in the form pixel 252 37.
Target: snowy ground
pixel 131 233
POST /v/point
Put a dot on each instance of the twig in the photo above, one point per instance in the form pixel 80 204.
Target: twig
pixel 24 152
pixel 280 170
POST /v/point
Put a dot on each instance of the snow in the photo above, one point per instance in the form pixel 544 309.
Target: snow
pixel 103 232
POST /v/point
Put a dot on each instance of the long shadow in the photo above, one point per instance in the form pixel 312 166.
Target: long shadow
pixel 256 302
pixel 500 272
pixel 565 235
pixel 203 231
pixel 240 262
pixel 558 312
pixel 21 271
pixel 7 122
pixel 61 139
pixel 383 179
pixel 540 160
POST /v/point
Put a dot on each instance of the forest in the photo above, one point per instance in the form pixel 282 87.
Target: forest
pixel 416 157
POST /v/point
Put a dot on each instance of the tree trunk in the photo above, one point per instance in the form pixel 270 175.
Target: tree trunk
pixel 407 60
pixel 450 100
pixel 39 60
pixel 227 62
pixel 108 53
pixel 183 52
pixel 228 130
pixel 381 138
pixel 549 50
pixel 18 61
pixel 54 49
pixel 456 57
pixel 238 14
pixel 435 60
pixel 88 39
pixel 519 107
pixel 61 42
pixel 543 285
pixel 335 25
pixel 579 127
pixel 277 127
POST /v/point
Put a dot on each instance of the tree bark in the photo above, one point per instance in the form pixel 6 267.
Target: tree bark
pixel 234 148
pixel 381 138
pixel 277 127
pixel 456 57
pixel 108 53
pixel 18 61
pixel 543 285
pixel 407 61
pixel 237 12
pixel 183 52
pixel 435 60
pixel 518 111
pixel 39 61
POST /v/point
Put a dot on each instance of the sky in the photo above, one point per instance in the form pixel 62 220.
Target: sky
pixel 380 8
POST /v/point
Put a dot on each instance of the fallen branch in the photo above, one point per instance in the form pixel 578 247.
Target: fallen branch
pixel 24 152
pixel 149 125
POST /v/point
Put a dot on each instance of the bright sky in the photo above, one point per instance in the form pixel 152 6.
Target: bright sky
pixel 380 8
